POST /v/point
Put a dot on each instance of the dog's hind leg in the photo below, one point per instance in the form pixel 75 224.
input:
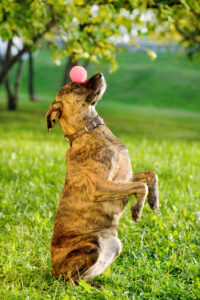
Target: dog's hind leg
pixel 151 179
pixel 110 249
pixel 75 259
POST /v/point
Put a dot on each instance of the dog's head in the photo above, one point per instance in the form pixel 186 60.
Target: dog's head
pixel 75 100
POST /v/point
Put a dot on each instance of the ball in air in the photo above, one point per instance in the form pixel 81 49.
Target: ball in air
pixel 78 74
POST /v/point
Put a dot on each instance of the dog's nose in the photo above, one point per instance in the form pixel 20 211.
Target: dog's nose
pixel 100 75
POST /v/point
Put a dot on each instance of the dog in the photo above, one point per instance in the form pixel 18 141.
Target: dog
pixel 99 182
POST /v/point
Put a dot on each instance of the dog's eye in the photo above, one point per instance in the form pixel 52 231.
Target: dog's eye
pixel 75 85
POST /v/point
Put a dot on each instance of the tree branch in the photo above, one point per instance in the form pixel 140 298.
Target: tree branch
pixel 8 64
pixel 155 5
pixel 185 34
pixel 8 50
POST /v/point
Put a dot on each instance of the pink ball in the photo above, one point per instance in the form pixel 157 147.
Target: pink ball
pixel 78 74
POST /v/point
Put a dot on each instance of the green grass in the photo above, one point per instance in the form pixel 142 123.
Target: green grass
pixel 161 254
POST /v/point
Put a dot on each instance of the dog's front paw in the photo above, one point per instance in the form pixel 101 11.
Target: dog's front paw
pixel 135 213
pixel 153 198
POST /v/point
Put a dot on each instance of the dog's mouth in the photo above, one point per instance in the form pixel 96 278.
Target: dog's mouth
pixel 94 96
pixel 97 94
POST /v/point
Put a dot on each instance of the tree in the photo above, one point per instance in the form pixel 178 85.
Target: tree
pixel 28 20
pixel 187 24
pixel 11 89
pixel 88 30
pixel 76 29
pixel 181 22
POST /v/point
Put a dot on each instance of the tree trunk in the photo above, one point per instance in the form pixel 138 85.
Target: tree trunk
pixel 31 77
pixel 12 103
pixel 31 86
pixel 70 64
pixel 12 97
pixel 18 79
pixel 31 83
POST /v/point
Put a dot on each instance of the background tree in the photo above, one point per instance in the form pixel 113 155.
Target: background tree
pixel 75 29
pixel 187 24
pixel 86 30
pixel 180 22
pixel 28 20
pixel 11 88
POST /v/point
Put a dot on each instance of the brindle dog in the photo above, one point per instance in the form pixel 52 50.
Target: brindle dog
pixel 98 184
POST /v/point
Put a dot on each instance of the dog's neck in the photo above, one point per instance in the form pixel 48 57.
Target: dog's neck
pixel 90 115
pixel 88 128
pixel 71 125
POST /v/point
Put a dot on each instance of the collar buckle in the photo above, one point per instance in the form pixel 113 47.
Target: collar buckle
pixel 88 129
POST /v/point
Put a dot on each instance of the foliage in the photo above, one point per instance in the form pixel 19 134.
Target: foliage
pixel 96 29
pixel 182 22
pixel 76 29
pixel 81 29
pixel 86 29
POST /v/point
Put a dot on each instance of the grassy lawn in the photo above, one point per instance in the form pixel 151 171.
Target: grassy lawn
pixel 161 129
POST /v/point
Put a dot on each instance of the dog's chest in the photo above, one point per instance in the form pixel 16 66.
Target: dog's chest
pixel 121 169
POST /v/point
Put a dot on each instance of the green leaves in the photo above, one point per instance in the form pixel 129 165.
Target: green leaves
pixel 88 30
pixel 181 22
pixel 152 54
pixel 85 285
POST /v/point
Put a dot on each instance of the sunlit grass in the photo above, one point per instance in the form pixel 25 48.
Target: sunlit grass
pixel 153 107
pixel 160 254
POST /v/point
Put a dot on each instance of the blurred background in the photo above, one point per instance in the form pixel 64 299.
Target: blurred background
pixel 149 53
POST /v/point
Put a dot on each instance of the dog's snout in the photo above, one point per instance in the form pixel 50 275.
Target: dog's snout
pixel 95 81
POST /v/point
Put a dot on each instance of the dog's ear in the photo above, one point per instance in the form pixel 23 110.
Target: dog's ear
pixel 54 112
